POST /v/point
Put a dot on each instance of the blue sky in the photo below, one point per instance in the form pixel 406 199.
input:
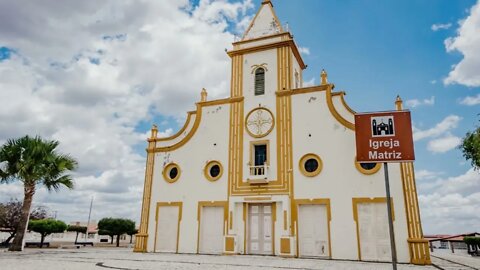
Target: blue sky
pixel 99 96
pixel 376 50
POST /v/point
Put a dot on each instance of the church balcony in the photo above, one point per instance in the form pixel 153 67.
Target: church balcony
pixel 258 174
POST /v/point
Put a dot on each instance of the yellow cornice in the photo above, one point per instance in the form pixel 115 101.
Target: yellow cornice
pixel 304 90
pixel 220 101
pixel 285 43
pixel 334 111
pixel 328 88
pixel 290 37
pixel 189 118
pixel 192 131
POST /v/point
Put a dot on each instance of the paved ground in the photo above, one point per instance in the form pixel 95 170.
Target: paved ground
pixel 125 259
pixel 444 259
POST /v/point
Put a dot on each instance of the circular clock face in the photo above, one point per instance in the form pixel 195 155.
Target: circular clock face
pixel 259 122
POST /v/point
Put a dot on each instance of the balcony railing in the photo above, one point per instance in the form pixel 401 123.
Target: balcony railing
pixel 258 174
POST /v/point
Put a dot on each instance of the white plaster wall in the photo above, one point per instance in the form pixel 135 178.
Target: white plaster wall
pixel 339 180
pixel 261 24
pixel 192 186
pixel 268 100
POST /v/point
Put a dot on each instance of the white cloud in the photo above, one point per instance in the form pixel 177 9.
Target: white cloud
pixel 467 42
pixel 412 103
pixel 450 122
pixel 450 205
pixel 471 101
pixel 87 73
pixel 443 144
pixel 304 50
pixel 426 174
pixel 433 81
pixel 439 26
pixel 309 83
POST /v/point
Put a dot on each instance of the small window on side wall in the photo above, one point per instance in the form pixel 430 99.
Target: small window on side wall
pixel 259 81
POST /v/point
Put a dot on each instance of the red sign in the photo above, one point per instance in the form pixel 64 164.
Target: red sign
pixel 384 137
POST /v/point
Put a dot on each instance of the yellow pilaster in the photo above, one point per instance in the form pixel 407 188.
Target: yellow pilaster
pixel 141 238
pixel 417 245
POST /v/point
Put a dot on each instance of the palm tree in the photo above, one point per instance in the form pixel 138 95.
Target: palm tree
pixel 33 161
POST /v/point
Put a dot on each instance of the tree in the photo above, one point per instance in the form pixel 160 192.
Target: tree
pixel 77 229
pixel 46 227
pixel 33 161
pixel 105 232
pixel 115 226
pixel 38 213
pixel 132 232
pixel 471 147
pixel 10 213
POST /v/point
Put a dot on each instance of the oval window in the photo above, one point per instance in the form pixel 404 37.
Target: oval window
pixel 171 173
pixel 213 171
pixel 310 165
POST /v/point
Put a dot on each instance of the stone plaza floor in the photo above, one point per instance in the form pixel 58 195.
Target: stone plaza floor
pixel 125 259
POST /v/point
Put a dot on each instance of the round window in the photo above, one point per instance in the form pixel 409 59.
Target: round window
pixel 213 171
pixel 171 173
pixel 368 168
pixel 310 165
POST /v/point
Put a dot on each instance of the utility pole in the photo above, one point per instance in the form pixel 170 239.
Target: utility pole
pixel 89 215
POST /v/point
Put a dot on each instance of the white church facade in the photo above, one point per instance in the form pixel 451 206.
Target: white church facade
pixel 271 169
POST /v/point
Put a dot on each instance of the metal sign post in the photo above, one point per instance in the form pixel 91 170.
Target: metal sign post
pixel 390 218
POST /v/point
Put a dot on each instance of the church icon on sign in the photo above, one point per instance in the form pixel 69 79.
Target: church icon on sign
pixel 383 126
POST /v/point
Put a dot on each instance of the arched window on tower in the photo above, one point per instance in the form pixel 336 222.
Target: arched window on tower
pixel 259 81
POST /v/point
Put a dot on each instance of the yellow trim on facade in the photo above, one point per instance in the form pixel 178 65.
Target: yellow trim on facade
pixel 256 199
pixel 418 247
pixel 304 159
pixel 274 221
pixel 345 104
pixel 229 244
pixel 168 204
pixel 206 170
pixel 195 126
pixel 284 36
pixel 321 201
pixel 166 173
pixel 252 150
pixel 285 245
pixel 262 65
pixel 141 239
pixel 305 90
pixel 265 133
pixel 279 44
pixel 375 169
pixel 180 132
pixel 334 111
pixel 202 204
pixel 220 101
pixel 355 202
